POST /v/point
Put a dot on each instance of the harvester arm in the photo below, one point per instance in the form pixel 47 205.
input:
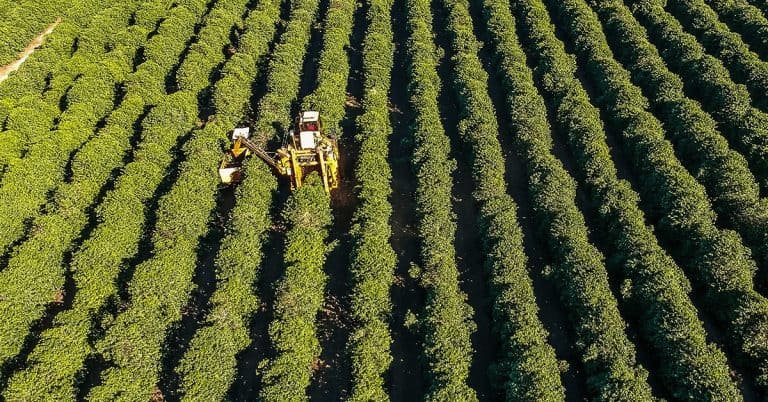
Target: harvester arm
pixel 259 152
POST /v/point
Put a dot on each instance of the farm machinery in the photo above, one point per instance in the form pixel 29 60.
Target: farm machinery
pixel 306 148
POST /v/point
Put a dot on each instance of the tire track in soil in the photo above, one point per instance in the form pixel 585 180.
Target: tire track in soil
pixel 5 71
pixel 715 332
pixel 406 378
pixel 332 378
pixel 249 361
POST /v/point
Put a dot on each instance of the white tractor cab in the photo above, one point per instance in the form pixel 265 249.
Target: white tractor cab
pixel 310 126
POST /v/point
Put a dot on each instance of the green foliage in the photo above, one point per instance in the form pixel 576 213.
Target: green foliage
pixel 89 100
pixel 209 367
pixel 300 292
pixel 23 89
pixel 333 71
pixel 709 82
pixel 692 369
pixel 232 95
pixel 23 20
pixel 60 126
pixel 723 172
pixel 25 124
pixel 578 268
pixel 29 283
pixel 372 261
pixel 195 73
pixel 744 65
pixel 162 285
pixel 644 260
pixel 95 40
pixel 715 260
pixel 37 284
pixel 99 260
pixel 761 5
pixel 747 20
pixel 299 295
pixel 285 65
pixel 528 366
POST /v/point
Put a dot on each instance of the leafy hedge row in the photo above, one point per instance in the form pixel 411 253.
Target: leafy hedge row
pixel 94 41
pixel 528 366
pixel 692 369
pixel 56 232
pixel 224 21
pixel 26 123
pixel 300 291
pixel 447 320
pixel 715 260
pixel 761 5
pixel 29 284
pixel 50 71
pixel 89 100
pixel 709 82
pixel 372 261
pixel 208 367
pixel 25 115
pixel 299 295
pixel 744 65
pixel 578 268
pixel 285 65
pixel 161 285
pixel 333 72
pixel 747 20
pixel 731 187
pixel 238 262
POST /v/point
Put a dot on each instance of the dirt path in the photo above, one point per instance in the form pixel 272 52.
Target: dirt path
pixel 332 379
pixel 474 278
pixel 6 70
pixel 406 378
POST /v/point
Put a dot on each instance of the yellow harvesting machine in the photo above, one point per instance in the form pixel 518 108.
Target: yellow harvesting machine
pixel 306 148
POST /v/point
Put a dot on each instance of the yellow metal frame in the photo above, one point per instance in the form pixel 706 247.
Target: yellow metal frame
pixel 287 162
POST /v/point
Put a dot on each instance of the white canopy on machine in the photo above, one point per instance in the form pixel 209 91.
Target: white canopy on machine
pixel 243 132
pixel 310 116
